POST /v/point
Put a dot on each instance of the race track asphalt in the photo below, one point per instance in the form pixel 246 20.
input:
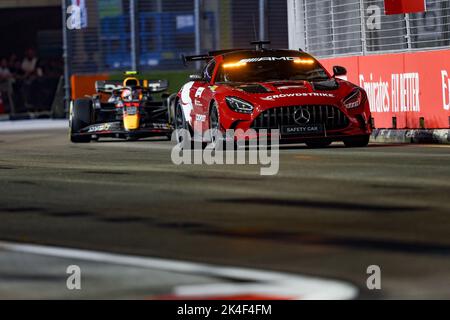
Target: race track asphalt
pixel 328 212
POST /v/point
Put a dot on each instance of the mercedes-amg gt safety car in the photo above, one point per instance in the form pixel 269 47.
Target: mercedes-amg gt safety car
pixel 263 88
pixel 122 109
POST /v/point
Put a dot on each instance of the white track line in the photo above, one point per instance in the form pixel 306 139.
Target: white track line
pixel 33 125
pixel 265 283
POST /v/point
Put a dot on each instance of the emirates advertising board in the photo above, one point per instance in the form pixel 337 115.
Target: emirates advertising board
pixel 402 86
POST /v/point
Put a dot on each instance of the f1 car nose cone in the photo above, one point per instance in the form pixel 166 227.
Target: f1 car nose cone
pixel 302 116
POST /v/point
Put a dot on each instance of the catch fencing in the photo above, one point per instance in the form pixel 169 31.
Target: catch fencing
pixel 401 60
pixel 117 35
pixel 106 37
pixel 359 27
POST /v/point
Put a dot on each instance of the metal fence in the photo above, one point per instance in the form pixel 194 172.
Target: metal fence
pixel 343 27
pixel 114 35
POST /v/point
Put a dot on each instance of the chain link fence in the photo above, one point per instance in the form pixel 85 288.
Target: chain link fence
pixel 115 35
pixel 345 27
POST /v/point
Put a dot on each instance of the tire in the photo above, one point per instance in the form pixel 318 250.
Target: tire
pixel 214 123
pixel 80 117
pixel 357 142
pixel 217 135
pixel 318 144
pixel 180 123
pixel 172 102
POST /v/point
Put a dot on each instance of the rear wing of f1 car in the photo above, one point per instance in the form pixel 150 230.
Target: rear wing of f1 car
pixel 153 86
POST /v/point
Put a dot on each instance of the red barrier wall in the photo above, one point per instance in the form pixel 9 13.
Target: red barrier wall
pixel 83 85
pixel 407 86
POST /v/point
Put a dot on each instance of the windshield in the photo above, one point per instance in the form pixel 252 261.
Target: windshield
pixel 249 70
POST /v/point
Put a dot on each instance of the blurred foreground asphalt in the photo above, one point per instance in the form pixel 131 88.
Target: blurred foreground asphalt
pixel 328 213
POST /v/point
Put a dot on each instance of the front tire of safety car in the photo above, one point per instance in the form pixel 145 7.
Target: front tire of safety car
pixel 80 117
pixel 357 142
pixel 218 140
pixel 214 125
pixel 181 126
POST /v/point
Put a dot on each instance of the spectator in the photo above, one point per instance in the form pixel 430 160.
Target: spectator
pixel 16 70
pixel 5 73
pixel 12 60
pixel 31 84
pixel 30 64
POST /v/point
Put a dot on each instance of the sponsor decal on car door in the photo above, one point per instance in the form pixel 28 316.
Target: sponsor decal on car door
pixel 198 93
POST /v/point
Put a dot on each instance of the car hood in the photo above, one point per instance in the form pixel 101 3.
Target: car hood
pixel 286 93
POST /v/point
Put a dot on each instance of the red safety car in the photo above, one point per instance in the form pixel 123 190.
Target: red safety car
pixel 268 89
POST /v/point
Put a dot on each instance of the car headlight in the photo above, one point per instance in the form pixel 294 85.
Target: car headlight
pixel 354 99
pixel 239 105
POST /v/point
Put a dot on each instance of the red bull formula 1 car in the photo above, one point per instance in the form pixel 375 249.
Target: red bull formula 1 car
pixel 268 89
pixel 122 109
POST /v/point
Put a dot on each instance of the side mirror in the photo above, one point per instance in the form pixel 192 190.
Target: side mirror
pixel 196 77
pixel 339 71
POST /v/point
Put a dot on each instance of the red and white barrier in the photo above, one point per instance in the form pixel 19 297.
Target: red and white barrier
pixel 406 90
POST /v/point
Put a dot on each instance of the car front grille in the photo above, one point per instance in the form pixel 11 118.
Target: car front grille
pixel 274 118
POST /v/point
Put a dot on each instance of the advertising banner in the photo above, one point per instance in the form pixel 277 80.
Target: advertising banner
pixel 405 90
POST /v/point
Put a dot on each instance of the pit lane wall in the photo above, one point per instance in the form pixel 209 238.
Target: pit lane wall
pixel 406 90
